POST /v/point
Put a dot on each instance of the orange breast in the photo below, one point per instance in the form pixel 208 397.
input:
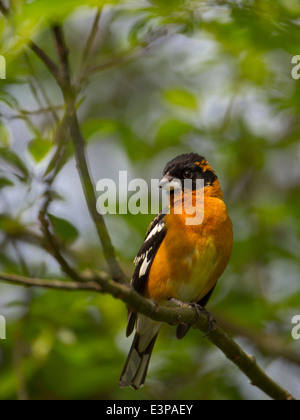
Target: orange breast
pixel 191 258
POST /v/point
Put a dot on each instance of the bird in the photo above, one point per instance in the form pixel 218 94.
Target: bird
pixel 178 261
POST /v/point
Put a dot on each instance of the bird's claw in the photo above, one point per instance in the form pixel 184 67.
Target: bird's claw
pixel 199 310
pixel 211 321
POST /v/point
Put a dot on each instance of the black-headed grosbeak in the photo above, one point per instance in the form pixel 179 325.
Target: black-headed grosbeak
pixel 177 260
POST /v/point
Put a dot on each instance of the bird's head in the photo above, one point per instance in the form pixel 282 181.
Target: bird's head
pixel 190 167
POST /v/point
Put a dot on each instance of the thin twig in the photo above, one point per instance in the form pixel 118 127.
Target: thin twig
pixel 51 284
pixel 53 245
pixel 61 140
pixel 22 262
pixel 89 191
pixel 81 159
pixel 88 48
pixel 25 113
pixel 92 36
pixel 52 109
pixel 45 59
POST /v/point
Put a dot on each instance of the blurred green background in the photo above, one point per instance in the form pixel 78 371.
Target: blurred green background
pixel 162 78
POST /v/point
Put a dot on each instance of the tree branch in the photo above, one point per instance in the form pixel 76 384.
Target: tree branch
pixel 50 108
pixel 61 140
pixel 101 283
pixel 46 59
pixel 52 243
pixel 63 77
pixel 170 315
pixel 92 36
pixel 269 344
pixel 51 284
pixel 81 159
pixel 88 48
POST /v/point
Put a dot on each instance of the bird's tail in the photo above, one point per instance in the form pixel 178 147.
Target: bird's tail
pixel 136 366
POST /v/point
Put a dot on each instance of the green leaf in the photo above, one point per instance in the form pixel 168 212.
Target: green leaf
pixel 56 11
pixel 99 127
pixel 180 97
pixel 12 159
pixel 4 182
pixel 5 136
pixel 39 148
pixel 11 226
pixel 9 100
pixel 63 229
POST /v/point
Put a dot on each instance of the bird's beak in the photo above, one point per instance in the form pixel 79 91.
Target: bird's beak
pixel 169 183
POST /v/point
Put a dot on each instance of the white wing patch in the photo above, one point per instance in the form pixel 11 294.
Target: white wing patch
pixel 144 267
pixel 157 228
pixel 142 257
pixel 154 237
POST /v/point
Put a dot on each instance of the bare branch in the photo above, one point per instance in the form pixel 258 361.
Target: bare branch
pixel 46 59
pixel 88 48
pixel 92 36
pixel 61 140
pixel 81 159
pixel 63 78
pixel 52 109
pixel 89 191
pixel 42 110
pixel 53 244
pixel 51 284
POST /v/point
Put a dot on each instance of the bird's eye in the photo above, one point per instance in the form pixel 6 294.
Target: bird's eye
pixel 187 174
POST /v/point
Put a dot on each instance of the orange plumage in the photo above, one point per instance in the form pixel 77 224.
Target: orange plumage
pixel 188 264
pixel 179 260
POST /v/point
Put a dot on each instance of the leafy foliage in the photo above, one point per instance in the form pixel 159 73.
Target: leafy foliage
pixel 161 78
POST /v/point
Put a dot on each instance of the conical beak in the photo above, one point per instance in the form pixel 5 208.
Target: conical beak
pixel 169 183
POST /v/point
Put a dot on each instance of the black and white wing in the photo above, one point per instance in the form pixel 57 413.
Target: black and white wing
pixel 154 237
pixel 143 261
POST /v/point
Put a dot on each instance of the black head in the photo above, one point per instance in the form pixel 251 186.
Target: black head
pixel 189 166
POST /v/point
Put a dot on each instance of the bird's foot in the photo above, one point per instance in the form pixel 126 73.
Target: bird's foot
pixel 211 321
pixel 199 310
pixel 180 303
